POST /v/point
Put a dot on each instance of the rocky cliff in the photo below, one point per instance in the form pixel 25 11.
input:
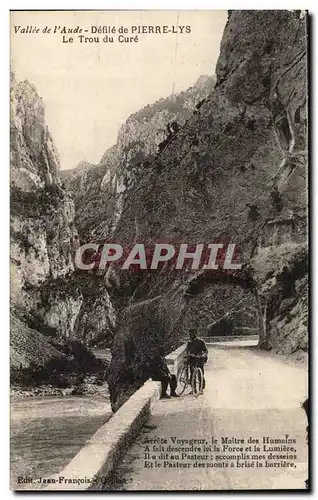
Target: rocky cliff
pixel 94 190
pixel 235 171
pixel 223 163
pixel 98 190
pixel 46 298
pixel 47 295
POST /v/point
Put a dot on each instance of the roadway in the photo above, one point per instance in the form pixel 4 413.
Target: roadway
pixel 248 394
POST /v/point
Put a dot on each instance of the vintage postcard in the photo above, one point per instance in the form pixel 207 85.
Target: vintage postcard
pixel 159 250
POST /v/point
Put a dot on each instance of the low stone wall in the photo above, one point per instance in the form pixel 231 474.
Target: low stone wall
pixel 175 358
pixel 228 338
pixel 104 450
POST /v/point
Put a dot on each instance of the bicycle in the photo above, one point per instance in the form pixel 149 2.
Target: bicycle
pixel 183 378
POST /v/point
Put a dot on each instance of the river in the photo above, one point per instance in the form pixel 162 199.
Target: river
pixel 46 432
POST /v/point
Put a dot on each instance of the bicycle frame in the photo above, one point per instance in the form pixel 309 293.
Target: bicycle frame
pixel 184 379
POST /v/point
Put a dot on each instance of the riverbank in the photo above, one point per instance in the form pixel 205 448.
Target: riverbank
pixel 88 387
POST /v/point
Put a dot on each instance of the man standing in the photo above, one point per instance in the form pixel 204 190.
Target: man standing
pixel 197 353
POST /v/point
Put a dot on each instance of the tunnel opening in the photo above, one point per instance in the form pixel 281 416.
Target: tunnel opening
pixel 219 304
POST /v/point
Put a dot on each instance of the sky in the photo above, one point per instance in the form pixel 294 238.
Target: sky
pixel 90 89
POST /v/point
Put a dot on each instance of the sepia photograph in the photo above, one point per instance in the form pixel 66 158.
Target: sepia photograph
pixel 159 250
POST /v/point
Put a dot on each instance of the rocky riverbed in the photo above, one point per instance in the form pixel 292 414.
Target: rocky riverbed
pixel 88 387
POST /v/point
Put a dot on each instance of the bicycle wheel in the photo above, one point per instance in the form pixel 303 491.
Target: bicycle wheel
pixel 197 381
pixel 182 379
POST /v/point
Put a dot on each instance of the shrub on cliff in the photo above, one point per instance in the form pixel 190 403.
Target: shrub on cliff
pixel 36 203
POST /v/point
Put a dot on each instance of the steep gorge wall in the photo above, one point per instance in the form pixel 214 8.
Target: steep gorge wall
pixel 98 190
pixel 43 235
pixel 235 172
pixel 45 296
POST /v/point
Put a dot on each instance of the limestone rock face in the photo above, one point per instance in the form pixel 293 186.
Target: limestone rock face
pixel 96 321
pixel 45 299
pixel 99 190
pixel 34 159
pixel 27 345
pixel 43 235
pixel 223 163
pixel 289 326
pixel 234 172
pixel 94 190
